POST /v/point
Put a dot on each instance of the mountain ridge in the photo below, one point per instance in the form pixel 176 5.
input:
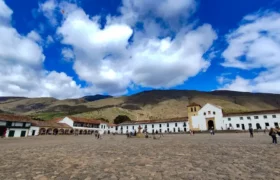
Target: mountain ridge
pixel 146 105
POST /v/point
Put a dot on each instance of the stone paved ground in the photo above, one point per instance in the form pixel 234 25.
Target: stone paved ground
pixel 223 156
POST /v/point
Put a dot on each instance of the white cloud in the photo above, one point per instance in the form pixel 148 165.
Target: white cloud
pixel 33 35
pixel 105 58
pixel 239 84
pixel 5 12
pixel 49 40
pixel 168 10
pixel 255 45
pixel 48 9
pixel 68 54
pixel 22 73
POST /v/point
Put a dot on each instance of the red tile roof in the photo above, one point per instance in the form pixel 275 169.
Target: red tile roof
pixel 49 124
pixel 252 112
pixel 85 120
pixel 156 121
pixel 193 104
pixel 14 118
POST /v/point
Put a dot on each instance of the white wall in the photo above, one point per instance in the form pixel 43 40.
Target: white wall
pixel 67 121
pixel 17 132
pixel 210 111
pixel 36 129
pixel 234 120
pixel 156 127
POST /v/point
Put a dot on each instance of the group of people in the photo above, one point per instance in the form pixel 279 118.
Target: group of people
pixel 273 132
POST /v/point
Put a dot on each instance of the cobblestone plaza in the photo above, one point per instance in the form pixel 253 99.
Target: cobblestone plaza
pixel 222 156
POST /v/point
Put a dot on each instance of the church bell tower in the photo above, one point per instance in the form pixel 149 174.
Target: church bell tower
pixel 193 109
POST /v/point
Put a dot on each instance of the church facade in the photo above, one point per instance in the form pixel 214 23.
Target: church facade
pixel 212 116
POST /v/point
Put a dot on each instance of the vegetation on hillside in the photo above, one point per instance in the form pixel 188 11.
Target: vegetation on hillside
pixel 121 118
pixel 156 104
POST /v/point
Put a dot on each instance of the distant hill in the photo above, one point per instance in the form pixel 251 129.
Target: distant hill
pixel 96 97
pixel 155 104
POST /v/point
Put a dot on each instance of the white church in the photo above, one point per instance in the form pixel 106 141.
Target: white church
pixel 212 116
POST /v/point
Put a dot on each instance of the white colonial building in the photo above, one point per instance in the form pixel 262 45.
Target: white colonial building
pixel 212 116
pixel 176 125
pixel 14 126
pixel 256 119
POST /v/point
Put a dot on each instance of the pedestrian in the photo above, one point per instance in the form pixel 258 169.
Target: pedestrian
pixel 273 133
pixel 251 132
pixel 127 134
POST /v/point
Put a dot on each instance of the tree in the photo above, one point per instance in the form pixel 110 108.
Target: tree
pixel 103 119
pixel 121 118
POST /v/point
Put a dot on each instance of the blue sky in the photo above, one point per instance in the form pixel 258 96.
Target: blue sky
pixel 72 48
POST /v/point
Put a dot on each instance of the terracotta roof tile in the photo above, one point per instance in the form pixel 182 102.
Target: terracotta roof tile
pixel 252 112
pixel 193 104
pixel 14 118
pixel 156 121
pixel 49 124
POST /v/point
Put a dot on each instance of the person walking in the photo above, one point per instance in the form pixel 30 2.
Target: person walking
pixel 273 133
pixel 251 132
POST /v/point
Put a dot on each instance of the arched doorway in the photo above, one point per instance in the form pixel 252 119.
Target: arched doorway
pixel 42 131
pixel 61 131
pixel 55 131
pixel 211 124
pixel 49 131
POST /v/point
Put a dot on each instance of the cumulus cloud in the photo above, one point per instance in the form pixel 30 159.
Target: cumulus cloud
pixel 21 62
pixel 68 54
pixel 48 9
pixel 33 35
pixel 105 57
pixel 255 46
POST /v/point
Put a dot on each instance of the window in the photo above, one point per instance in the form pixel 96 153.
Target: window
pixel 214 112
pixel 250 124
pixel 160 125
pixel 191 109
pixel 241 118
pixel 167 124
pixel 229 119
pixel 266 124
pixel 276 125
pixel 248 117
pixel 274 116
pixel 237 125
pixel 17 124
pixel 175 124
pixel 265 116
pixel 209 112
pixel 145 126
pixel 132 127
pixel 204 114
pixel 152 126
pixel 256 117
pixel 126 127
pixel 27 125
